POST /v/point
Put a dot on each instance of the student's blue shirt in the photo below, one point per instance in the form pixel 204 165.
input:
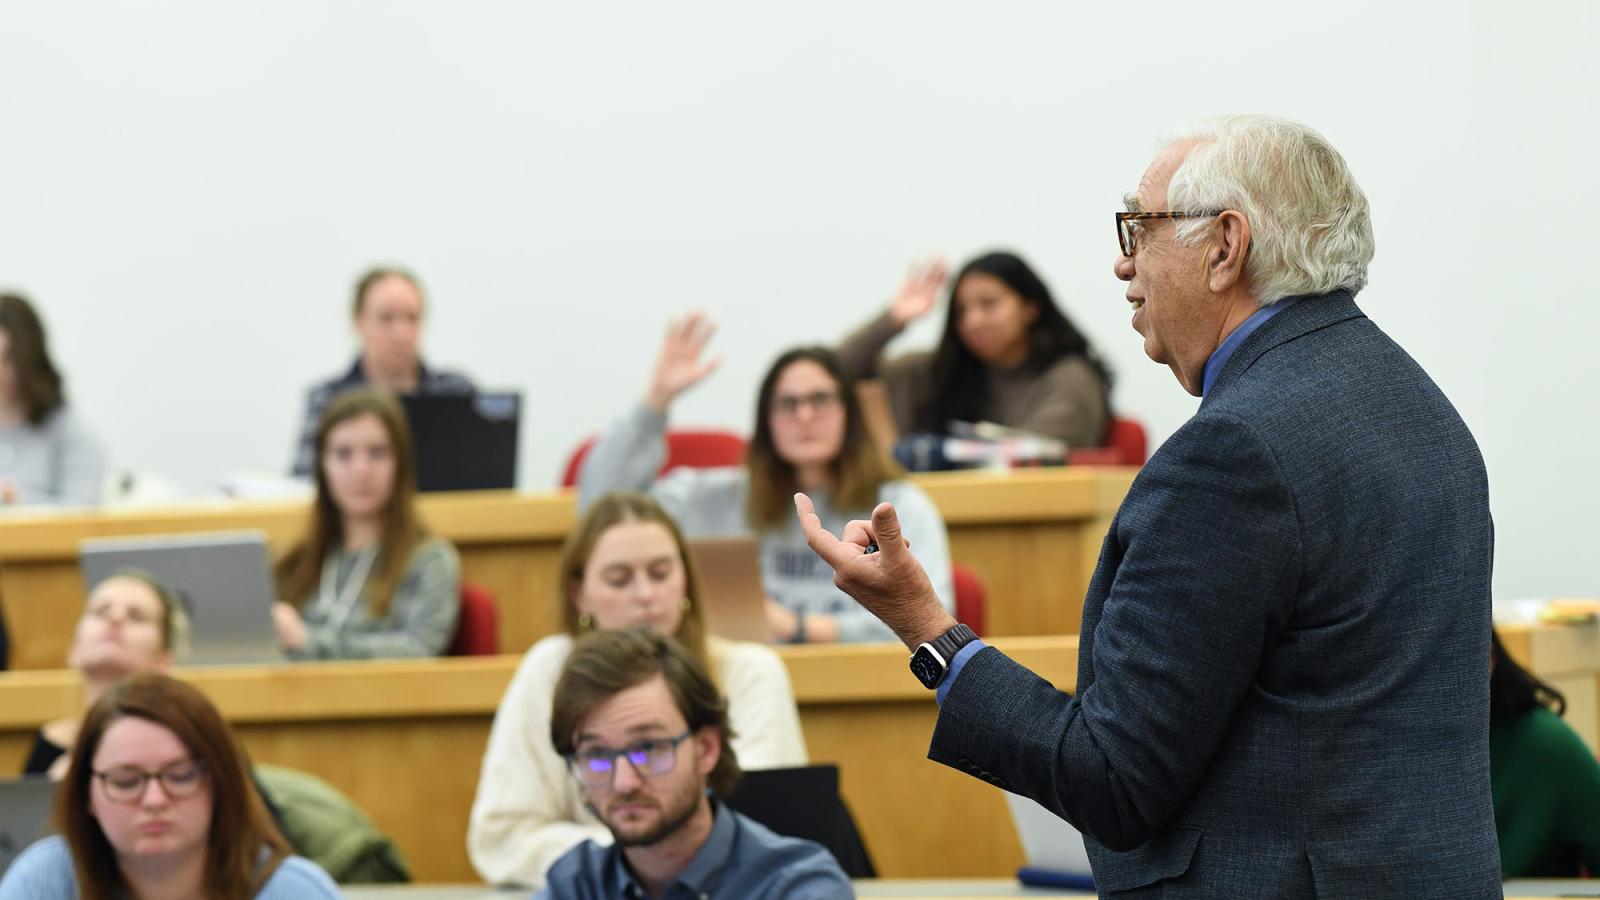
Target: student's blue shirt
pixel 44 872
pixel 740 860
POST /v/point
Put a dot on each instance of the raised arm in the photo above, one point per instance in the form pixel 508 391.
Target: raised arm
pixel 861 351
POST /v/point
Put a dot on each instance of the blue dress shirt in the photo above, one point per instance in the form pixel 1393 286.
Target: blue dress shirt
pixel 740 860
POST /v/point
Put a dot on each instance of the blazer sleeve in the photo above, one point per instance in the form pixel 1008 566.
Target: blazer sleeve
pixel 1210 556
pixel 525 815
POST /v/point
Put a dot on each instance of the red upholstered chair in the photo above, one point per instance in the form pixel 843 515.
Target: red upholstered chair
pixel 1125 446
pixel 701 448
pixel 478 627
pixel 969 598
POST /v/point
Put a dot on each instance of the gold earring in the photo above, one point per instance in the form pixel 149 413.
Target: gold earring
pixel 686 604
pixel 586 622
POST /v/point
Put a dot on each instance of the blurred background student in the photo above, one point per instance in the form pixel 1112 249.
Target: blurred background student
pixel 47 455
pixel 1546 782
pixel 367 579
pixel 1008 355
pixel 387 313
pixel 623 566
pixel 156 803
pixel 809 436
pixel 131 624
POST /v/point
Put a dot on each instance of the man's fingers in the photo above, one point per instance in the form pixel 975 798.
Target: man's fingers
pixel 833 551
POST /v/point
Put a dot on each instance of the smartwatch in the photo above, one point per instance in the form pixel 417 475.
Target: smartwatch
pixel 932 659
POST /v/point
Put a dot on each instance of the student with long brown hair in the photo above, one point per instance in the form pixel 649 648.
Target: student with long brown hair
pixel 368 580
pixel 623 566
pixel 809 436
pixel 157 803
pixel 47 454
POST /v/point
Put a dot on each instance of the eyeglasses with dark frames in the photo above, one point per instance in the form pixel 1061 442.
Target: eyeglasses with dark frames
pixel 179 781
pixel 597 766
pixel 1128 238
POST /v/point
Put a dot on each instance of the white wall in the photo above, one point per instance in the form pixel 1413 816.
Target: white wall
pixel 188 188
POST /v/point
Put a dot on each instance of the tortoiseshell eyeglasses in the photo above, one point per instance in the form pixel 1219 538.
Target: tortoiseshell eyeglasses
pixel 1126 235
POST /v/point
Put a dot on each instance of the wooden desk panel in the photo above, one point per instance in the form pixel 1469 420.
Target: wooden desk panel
pixel 1031 535
pixel 405 740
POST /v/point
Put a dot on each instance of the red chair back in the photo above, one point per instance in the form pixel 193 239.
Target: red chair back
pixel 969 598
pixel 478 626
pixel 1125 446
pixel 697 448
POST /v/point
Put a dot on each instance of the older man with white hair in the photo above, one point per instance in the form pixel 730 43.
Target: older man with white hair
pixel 1283 664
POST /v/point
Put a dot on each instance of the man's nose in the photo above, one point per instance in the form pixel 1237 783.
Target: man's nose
pixel 624 777
pixel 1123 267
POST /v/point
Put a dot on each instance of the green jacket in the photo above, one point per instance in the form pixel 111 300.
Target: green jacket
pixel 325 826
pixel 1546 797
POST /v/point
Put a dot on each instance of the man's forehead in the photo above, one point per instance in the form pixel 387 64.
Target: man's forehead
pixel 643 708
pixel 1152 192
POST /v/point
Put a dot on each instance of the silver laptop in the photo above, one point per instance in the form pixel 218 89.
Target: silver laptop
pixel 736 600
pixel 25 806
pixel 225 579
pixel 1054 849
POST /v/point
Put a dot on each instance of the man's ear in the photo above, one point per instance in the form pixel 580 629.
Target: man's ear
pixel 1225 255
pixel 708 740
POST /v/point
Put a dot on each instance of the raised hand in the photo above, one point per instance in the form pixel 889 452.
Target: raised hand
pixel 679 366
pixel 890 583
pixel 919 292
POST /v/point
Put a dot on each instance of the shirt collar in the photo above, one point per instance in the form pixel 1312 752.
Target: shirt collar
pixel 704 870
pixel 1220 356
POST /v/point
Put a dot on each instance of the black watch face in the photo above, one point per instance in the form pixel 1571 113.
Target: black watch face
pixel 926 666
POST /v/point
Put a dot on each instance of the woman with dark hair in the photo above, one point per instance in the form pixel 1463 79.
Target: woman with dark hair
pixel 1008 355
pixel 157 802
pixel 624 565
pixel 46 453
pixel 367 580
pixel 809 436
pixel 1546 781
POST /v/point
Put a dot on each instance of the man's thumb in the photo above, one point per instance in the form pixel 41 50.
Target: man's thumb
pixel 886 526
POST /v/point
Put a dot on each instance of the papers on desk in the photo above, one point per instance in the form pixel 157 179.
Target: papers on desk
pixel 1559 610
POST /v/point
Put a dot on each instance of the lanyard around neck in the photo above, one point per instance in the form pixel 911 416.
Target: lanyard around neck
pixel 342 603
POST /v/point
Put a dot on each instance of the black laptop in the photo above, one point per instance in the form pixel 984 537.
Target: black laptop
pixel 465 442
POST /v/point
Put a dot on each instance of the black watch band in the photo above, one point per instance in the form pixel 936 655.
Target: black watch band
pixel 932 659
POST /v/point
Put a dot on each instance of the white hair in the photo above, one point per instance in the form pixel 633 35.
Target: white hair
pixel 1310 232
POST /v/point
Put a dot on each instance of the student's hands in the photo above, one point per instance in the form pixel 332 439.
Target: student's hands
pixel 679 366
pixel 785 626
pixel 290 627
pixel 8 492
pixel 890 583
pixel 919 292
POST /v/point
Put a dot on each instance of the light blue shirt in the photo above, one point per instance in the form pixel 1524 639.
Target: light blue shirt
pixel 44 872
pixel 1220 356
pixel 740 860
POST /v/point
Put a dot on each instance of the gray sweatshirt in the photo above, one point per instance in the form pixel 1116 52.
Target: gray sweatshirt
pixel 57 462
pixel 421 619
pixel 710 503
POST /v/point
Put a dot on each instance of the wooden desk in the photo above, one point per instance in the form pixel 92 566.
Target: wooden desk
pixel 1032 535
pixel 1567 656
pixel 405 740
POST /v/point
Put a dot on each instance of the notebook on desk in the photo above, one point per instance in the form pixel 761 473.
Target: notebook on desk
pixel 1054 849
pixel 736 600
pixel 224 579
pixel 464 442
pixel 25 806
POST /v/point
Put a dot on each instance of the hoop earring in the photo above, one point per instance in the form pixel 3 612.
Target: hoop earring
pixel 586 622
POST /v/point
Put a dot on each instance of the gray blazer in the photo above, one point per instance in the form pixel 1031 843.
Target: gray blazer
pixel 1284 670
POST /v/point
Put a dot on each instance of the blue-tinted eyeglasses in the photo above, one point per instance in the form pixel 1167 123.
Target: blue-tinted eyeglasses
pixel 596 766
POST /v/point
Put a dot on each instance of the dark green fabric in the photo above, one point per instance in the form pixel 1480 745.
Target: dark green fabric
pixel 1546 797
pixel 327 827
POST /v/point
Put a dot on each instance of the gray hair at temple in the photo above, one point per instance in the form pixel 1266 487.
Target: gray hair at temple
pixel 1310 232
